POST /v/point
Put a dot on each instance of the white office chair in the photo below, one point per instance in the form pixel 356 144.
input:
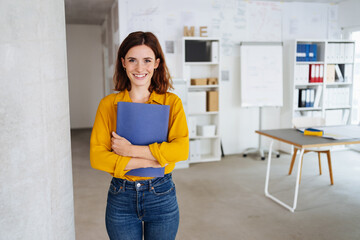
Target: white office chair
pixel 302 122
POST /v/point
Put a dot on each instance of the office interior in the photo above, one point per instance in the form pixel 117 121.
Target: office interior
pixel 67 51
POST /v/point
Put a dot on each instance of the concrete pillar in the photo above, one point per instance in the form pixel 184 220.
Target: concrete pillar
pixel 36 190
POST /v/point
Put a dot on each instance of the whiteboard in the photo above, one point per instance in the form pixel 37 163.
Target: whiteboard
pixel 261 75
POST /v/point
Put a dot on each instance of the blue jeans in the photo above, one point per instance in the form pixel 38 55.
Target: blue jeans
pixel 142 208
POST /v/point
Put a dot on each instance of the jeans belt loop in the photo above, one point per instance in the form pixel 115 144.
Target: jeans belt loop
pixel 124 185
pixel 150 185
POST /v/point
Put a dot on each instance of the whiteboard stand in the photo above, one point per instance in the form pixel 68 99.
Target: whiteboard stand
pixel 259 150
pixel 261 80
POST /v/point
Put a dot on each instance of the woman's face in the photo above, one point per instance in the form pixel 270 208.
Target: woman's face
pixel 139 64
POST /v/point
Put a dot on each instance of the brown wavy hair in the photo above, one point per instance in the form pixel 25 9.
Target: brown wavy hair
pixel 161 80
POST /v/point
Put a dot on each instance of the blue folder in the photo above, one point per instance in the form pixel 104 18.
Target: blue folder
pixel 143 124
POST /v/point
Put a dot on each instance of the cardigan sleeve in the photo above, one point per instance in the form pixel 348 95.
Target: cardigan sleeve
pixel 101 155
pixel 177 147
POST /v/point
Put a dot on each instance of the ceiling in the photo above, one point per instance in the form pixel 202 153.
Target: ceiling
pixel 87 11
pixel 94 11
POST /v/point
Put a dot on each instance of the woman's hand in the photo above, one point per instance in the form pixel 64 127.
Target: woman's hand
pixel 121 146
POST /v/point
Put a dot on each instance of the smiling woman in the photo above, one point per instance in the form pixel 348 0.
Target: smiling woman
pixel 140 64
pixel 140 206
pixel 152 55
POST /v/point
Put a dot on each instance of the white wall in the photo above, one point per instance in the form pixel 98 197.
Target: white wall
pixel 85 70
pixel 349 16
pixel 234 22
pixel 36 196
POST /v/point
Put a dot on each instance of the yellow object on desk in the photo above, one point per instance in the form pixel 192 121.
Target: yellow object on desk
pixel 313 132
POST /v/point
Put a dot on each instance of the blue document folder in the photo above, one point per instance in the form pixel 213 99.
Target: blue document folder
pixel 143 124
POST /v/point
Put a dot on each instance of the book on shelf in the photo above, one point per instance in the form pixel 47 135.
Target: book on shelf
pixel 330 52
pixel 312 97
pixel 143 124
pixel 194 150
pixel 302 98
pixel 300 52
pixel 214 51
pixel 316 73
pixel 306 97
pixel 312 52
pixel 296 98
pixel 345 116
pixel 340 52
pixel 312 73
pixel 301 74
pixel 192 126
pixel 317 96
pixel 321 73
pixel 306 52
pixel 348 71
pixel 349 52
pixel 330 73
pixel 338 74
pixel 337 97
pixel 341 56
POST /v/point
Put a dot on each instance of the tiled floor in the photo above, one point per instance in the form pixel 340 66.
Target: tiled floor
pixel 225 200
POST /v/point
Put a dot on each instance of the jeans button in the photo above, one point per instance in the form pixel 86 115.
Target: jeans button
pixel 138 185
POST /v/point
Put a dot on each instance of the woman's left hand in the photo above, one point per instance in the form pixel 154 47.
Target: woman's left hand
pixel 121 146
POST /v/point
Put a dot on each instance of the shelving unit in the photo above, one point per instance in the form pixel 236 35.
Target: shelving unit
pixel 197 63
pixel 180 89
pixel 332 96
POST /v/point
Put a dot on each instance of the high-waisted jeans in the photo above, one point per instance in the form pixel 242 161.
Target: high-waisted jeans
pixel 142 208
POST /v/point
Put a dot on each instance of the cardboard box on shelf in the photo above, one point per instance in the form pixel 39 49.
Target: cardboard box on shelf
pixel 198 81
pixel 212 101
pixel 212 81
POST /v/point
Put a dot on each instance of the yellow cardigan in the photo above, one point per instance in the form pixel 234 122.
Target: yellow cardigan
pixel 174 150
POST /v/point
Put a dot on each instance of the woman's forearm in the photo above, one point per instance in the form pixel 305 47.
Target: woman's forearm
pixel 141 152
pixel 141 163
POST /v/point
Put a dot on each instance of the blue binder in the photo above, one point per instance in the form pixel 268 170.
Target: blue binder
pixel 313 52
pixel 143 124
pixel 301 52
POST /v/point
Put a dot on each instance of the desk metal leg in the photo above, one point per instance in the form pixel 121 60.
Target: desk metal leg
pixel 292 209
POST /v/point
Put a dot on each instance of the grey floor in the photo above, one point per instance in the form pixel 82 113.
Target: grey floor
pixel 225 200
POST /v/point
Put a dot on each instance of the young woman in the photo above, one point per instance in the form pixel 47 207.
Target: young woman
pixel 140 206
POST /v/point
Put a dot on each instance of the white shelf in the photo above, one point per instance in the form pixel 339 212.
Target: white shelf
pixel 208 147
pixel 182 164
pixel 338 107
pixel 206 158
pixel 202 38
pixel 340 62
pixel 339 84
pixel 334 93
pixel 309 62
pixel 201 87
pixel 308 109
pixel 204 137
pixel 204 113
pixel 308 84
pixel 201 63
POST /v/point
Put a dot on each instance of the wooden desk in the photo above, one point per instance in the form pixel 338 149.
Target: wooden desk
pixel 298 140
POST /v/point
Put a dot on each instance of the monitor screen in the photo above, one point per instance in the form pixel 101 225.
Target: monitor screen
pixel 197 51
